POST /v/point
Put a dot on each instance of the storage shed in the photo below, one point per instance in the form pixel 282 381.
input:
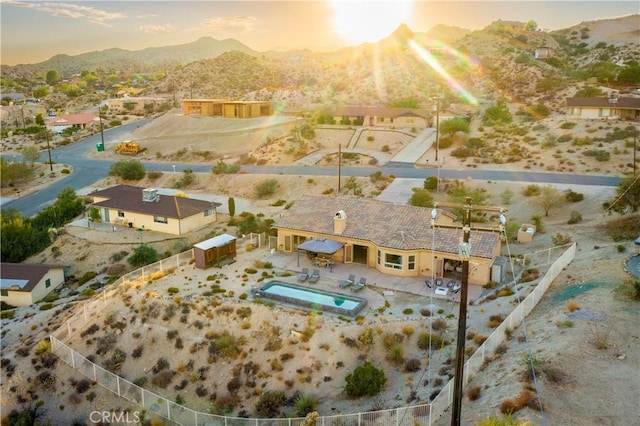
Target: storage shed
pixel 216 251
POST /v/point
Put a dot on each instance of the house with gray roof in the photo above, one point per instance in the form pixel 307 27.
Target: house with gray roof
pixel 146 208
pixel 394 239
pixel 24 284
pixel 603 108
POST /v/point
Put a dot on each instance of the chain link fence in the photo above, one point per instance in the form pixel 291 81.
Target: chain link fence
pixel 424 414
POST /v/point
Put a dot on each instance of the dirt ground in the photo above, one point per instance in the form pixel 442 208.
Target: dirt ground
pixel 588 304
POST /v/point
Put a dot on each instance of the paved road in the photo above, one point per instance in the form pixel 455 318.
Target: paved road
pixel 89 170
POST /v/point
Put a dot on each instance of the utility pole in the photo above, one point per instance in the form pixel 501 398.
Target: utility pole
pixel 437 125
pixel 339 165
pixel 635 148
pixel 464 252
pixel 46 132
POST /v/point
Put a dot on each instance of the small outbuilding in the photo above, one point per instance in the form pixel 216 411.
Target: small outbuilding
pixel 217 251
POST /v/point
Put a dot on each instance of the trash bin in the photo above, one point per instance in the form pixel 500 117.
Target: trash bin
pixel 100 147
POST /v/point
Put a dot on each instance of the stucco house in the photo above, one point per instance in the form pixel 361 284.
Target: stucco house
pixel 382 117
pixel 394 239
pixel 145 208
pixel 25 284
pixel 226 108
pixel 603 108
pixel 65 121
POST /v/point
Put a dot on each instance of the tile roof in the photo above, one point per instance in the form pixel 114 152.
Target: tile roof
pixel 26 276
pixel 129 198
pixel 383 223
pixel 70 119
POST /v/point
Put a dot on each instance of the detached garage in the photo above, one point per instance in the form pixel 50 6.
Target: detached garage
pixel 217 251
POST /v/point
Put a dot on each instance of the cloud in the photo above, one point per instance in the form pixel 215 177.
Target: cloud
pixel 70 10
pixel 156 29
pixel 244 23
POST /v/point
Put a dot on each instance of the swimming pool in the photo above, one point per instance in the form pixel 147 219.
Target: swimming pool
pixel 311 298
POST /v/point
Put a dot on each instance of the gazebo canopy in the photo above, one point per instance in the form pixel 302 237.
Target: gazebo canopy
pixel 318 245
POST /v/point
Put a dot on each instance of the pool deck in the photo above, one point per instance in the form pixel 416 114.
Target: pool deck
pixel 330 278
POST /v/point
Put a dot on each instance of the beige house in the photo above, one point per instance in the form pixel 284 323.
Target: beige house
pixel 25 284
pixel 145 208
pixel 382 117
pixel 133 105
pixel 65 121
pixel 603 108
pixel 394 239
pixel 226 108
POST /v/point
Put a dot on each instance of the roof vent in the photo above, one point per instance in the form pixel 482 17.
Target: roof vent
pixel 149 195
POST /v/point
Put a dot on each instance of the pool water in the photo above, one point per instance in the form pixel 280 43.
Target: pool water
pixel 312 298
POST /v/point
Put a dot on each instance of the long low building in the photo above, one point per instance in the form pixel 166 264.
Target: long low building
pixel 394 239
pixel 226 108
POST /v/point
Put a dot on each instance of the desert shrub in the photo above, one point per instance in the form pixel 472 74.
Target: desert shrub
pixel 91 330
pixel 494 321
pixel 223 168
pixel 127 170
pixel 407 311
pixel 154 174
pixel 530 274
pixel 162 379
pixel 425 312
pixel 269 404
pixel 412 365
pixel 531 191
pixel 436 341
pixel 266 188
pixel 572 306
pixel 366 380
pixel 143 255
pixel 575 217
pixel 572 196
pixel 305 404
pixel 479 339
pixel 474 392
pixel 83 385
pixel 560 239
pixel 598 154
pixel 567 125
pixel 137 352
pixel 140 381
pixel 439 324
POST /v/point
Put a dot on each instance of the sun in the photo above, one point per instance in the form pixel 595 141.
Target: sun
pixel 370 20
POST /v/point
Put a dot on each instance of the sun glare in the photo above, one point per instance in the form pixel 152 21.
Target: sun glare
pixel 368 21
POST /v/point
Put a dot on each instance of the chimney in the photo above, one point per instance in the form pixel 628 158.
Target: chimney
pixel 339 222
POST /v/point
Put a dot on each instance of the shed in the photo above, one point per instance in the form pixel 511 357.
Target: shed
pixel 216 251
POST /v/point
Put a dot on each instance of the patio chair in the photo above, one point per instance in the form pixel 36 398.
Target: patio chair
pixel 349 281
pixel 304 275
pixel 315 276
pixel 360 285
pixel 429 282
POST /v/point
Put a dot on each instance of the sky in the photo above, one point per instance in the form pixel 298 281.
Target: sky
pixel 34 31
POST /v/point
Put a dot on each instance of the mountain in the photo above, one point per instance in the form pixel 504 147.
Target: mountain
pixel 147 60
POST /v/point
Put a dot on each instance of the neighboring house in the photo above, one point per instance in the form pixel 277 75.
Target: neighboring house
pixel 144 208
pixel 394 239
pixel 382 117
pixel 133 105
pixel 448 114
pixel 226 108
pixel 24 284
pixel 80 121
pixel 603 108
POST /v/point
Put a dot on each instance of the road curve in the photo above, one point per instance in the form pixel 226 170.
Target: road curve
pixel 89 170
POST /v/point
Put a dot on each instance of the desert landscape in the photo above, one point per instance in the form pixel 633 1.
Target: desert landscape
pixel 307 356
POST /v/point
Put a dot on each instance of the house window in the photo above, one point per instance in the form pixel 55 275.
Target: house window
pixel 208 212
pixel 160 219
pixel 4 292
pixel 412 262
pixel 379 257
pixel 120 213
pixel 393 261
pixel 298 239
pixel 47 283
